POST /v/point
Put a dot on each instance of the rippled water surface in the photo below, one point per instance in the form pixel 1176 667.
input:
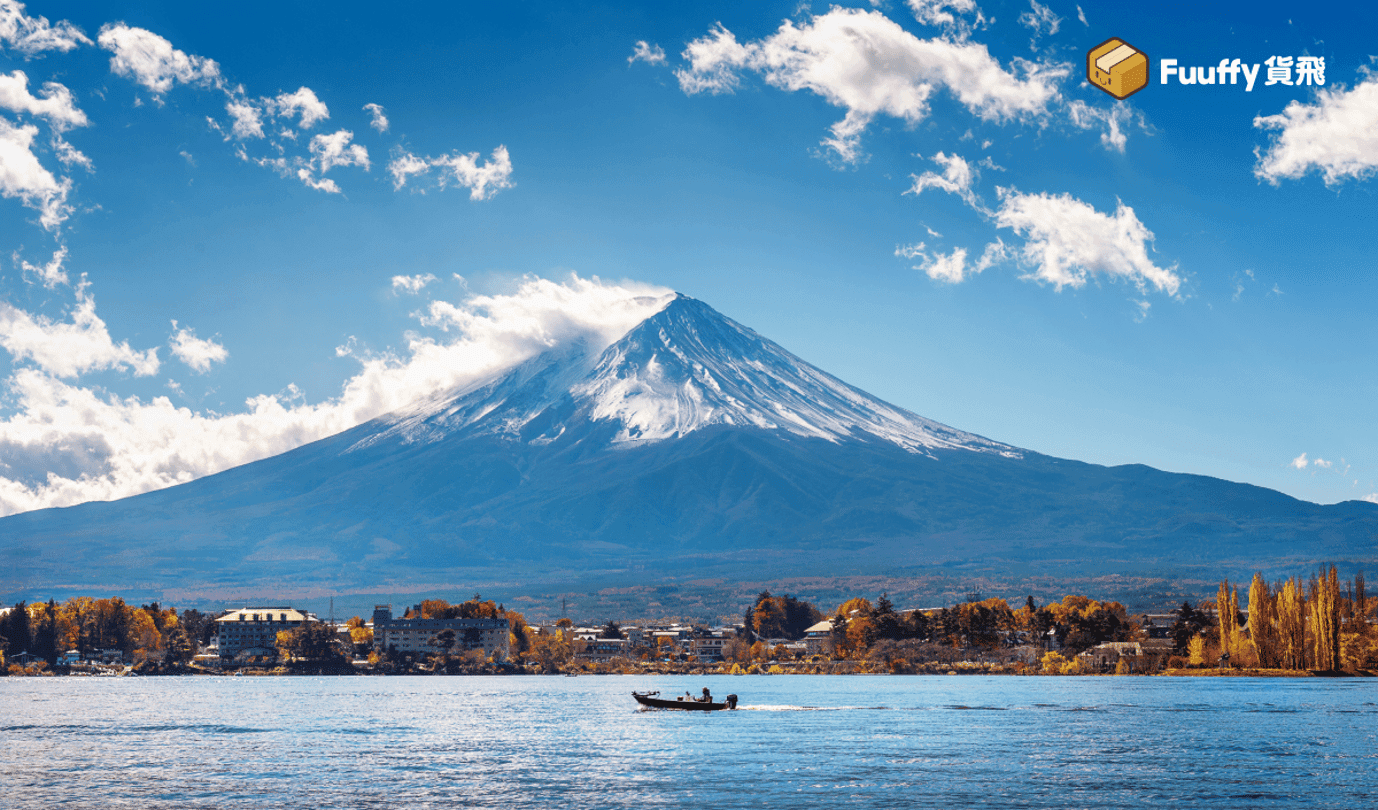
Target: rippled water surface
pixel 813 741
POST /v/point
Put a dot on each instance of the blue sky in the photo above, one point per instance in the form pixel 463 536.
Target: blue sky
pixel 213 248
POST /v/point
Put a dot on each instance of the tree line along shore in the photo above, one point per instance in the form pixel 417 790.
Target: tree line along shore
pixel 1320 625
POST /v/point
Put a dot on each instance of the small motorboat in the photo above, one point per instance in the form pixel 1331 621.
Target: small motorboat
pixel 651 700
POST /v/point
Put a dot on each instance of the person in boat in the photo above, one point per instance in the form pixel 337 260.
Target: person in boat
pixel 707 698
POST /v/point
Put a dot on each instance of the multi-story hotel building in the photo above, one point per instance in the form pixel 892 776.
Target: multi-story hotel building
pixel 415 635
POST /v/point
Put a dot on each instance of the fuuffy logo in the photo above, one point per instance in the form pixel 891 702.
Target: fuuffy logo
pixel 1117 67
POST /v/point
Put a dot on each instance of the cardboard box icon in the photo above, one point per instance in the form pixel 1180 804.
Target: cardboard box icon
pixel 1117 67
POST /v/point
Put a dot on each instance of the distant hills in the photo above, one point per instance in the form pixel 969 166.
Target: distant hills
pixel 690 450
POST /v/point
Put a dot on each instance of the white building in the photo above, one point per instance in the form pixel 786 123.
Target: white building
pixel 414 635
pixel 254 630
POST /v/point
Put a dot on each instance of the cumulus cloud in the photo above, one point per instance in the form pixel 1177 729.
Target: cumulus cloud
pixel 952 268
pixel 380 120
pixel 645 52
pixel 49 275
pixel 22 177
pixel 482 179
pixel 302 103
pixel 868 65
pixel 327 152
pixel 1337 136
pixel 957 178
pixel 151 60
pixel 34 35
pixel 56 106
pixel 70 348
pixel 1067 241
pixel 411 284
pixel 1300 462
pixel 196 353
pixel 132 445
pixel 404 166
pixel 248 120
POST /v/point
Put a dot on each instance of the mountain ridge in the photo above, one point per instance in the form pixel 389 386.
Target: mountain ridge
pixel 689 447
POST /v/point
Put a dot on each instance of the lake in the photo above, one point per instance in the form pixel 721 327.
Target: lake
pixel 813 741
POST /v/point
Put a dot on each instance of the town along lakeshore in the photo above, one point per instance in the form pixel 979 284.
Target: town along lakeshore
pixel 1288 628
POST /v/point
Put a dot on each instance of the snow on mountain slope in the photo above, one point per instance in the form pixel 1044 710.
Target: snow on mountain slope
pixel 683 369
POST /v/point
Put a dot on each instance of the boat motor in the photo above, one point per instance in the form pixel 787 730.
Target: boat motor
pixel 731 701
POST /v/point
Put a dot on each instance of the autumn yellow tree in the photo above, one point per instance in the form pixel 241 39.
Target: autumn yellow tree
pixel 1196 651
pixel 1263 633
pixel 1291 623
pixel 359 634
pixel 1325 619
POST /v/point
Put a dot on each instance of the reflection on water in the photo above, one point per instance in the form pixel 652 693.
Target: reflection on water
pixel 814 741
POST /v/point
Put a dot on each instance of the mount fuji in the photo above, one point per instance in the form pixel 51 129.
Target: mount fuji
pixel 690 448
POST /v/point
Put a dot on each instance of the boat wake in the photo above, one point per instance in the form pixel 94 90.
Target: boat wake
pixel 769 708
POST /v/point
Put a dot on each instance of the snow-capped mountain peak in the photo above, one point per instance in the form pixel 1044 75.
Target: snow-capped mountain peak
pixel 683 369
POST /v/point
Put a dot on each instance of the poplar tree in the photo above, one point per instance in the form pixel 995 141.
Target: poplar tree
pixel 1325 619
pixel 1227 609
pixel 1262 622
pixel 1291 610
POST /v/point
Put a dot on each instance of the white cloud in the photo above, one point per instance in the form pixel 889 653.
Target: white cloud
pixel 70 156
pixel 380 120
pixel 49 275
pixel 1040 20
pixel 335 149
pixel 952 268
pixel 114 448
pixel 327 152
pixel 34 35
pixel 950 15
pixel 151 60
pixel 957 178
pixel 57 106
pixel 1300 462
pixel 1114 119
pixel 935 12
pixel 645 52
pixel 867 64
pixel 404 166
pixel 248 120
pixel 304 103
pixel 483 180
pixel 318 183
pixel 22 177
pixel 1337 135
pixel 412 284
pixel 197 353
pixel 1323 464
pixel 713 63
pixel 1372 497
pixel 70 348
pixel 1067 241
pixel 1081 15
